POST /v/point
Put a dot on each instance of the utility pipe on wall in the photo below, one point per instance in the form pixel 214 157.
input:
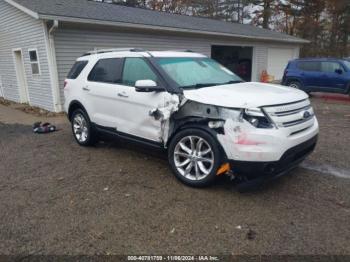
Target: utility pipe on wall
pixel 52 53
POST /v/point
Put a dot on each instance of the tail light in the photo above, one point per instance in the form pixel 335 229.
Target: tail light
pixel 65 84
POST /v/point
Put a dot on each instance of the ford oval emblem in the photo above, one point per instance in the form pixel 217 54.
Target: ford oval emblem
pixel 306 115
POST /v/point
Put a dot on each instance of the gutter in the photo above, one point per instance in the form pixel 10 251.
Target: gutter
pixel 165 28
pixel 51 55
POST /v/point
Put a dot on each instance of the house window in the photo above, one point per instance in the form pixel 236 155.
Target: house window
pixel 34 61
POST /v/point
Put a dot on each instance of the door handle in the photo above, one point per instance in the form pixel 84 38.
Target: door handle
pixel 123 94
pixel 85 88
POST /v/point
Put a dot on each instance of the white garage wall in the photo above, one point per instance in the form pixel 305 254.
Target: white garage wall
pixel 277 60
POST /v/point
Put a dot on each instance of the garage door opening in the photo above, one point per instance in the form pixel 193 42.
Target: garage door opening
pixel 236 58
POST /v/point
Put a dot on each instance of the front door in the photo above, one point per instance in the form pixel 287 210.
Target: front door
pixel 135 118
pixel 114 102
pixel 334 80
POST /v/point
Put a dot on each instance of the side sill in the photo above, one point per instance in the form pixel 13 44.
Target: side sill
pixel 126 137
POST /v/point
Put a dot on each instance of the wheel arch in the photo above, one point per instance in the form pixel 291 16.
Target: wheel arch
pixel 74 105
pixel 200 124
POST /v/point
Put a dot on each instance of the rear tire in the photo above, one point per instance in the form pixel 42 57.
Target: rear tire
pixel 194 157
pixel 82 129
pixel 295 84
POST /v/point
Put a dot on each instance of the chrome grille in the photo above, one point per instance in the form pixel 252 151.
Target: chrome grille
pixel 296 116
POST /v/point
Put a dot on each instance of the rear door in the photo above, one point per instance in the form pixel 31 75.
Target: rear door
pixel 335 79
pixel 102 89
pixel 310 74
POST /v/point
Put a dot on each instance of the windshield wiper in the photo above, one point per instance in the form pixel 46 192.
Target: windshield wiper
pixel 201 85
pixel 233 82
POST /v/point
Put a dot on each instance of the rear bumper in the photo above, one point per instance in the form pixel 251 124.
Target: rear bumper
pixel 254 174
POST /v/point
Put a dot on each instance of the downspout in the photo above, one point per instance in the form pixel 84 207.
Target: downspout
pixel 54 70
pixel 54 27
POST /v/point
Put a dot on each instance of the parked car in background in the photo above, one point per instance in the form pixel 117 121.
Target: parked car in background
pixel 318 75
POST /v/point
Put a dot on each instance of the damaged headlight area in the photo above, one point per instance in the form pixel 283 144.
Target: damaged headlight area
pixel 257 118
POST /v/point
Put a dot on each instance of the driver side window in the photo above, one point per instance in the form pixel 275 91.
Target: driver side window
pixel 137 69
pixel 330 67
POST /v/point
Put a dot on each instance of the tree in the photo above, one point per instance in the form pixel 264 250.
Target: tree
pixel 264 11
pixel 325 23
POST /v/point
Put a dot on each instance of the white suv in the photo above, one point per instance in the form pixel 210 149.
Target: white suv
pixel 209 121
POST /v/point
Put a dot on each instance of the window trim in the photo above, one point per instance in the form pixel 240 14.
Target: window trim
pixel 34 62
pixel 93 68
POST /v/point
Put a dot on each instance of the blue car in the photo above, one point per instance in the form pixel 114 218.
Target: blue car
pixel 318 75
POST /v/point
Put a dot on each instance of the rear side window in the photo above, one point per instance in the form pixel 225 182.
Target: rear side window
pixel 76 69
pixel 137 69
pixel 309 66
pixel 107 71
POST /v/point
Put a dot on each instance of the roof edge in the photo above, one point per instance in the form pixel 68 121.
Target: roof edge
pixel 23 9
pixel 163 28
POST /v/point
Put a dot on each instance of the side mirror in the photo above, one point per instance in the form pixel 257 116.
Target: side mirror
pixel 339 71
pixel 147 86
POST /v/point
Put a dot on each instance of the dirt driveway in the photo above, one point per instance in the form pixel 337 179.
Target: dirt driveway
pixel 59 198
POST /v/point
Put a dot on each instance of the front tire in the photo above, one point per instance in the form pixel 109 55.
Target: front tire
pixel 194 157
pixel 82 129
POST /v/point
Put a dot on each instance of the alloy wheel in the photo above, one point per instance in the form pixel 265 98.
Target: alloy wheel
pixel 80 128
pixel 194 158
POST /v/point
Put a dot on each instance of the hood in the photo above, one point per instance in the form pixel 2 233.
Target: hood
pixel 245 95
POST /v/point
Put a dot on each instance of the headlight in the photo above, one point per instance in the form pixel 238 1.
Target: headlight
pixel 257 118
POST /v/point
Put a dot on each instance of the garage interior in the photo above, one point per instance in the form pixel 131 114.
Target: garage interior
pixel 236 58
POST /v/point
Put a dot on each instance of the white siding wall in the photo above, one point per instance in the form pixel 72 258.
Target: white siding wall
pixel 72 43
pixel 19 30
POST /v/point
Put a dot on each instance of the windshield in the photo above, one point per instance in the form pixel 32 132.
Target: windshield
pixel 192 73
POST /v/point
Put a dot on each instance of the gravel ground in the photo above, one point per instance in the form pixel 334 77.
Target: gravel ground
pixel 58 198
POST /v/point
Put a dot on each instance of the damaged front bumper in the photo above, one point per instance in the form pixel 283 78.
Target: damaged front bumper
pixel 252 175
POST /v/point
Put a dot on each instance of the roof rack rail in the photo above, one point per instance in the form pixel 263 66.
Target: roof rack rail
pixel 102 51
pixel 181 50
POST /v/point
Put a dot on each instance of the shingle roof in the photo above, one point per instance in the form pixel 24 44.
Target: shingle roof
pixel 102 12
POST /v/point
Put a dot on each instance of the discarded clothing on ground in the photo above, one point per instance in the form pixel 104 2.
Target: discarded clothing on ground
pixel 45 128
